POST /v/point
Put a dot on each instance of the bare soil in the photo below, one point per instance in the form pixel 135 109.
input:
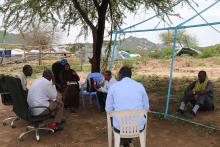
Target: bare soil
pixel 87 128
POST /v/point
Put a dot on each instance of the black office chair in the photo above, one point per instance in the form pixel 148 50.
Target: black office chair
pixel 7 101
pixel 21 109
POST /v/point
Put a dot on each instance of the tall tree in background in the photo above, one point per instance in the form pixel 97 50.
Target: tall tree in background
pixel 91 15
pixel 39 35
pixel 183 39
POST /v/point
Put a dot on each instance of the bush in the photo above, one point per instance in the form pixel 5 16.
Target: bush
pixel 167 53
pixel 129 62
pixel 155 54
pixel 210 51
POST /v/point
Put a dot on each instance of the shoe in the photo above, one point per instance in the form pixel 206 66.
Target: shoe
pixel 180 111
pixel 193 113
pixel 56 127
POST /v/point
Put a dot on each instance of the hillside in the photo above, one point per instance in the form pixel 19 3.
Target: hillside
pixel 137 43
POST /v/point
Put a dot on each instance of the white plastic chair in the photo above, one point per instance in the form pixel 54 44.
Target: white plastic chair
pixel 129 121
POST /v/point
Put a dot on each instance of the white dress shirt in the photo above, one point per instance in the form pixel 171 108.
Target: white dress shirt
pixel 23 79
pixel 41 92
pixel 107 85
pixel 127 94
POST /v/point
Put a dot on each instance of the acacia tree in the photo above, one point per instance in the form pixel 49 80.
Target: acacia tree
pixel 39 35
pixel 92 15
pixel 183 38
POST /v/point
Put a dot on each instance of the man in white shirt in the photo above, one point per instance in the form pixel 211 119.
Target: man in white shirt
pixel 26 72
pixel 126 94
pixel 43 93
pixel 102 91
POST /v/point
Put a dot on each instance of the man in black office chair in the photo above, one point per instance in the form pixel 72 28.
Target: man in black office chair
pixel 43 93
pixel 26 72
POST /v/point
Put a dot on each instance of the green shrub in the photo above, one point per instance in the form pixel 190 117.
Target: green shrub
pixel 155 54
pixel 129 62
pixel 167 53
pixel 210 51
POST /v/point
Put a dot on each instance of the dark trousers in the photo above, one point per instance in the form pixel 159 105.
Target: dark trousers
pixel 204 101
pixel 102 98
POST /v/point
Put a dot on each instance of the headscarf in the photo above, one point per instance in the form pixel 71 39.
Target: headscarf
pixel 63 62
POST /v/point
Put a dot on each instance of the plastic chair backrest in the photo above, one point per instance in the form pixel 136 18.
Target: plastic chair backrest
pixel 96 75
pixel 129 121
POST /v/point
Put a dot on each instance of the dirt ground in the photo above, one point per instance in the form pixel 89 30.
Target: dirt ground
pixel 87 128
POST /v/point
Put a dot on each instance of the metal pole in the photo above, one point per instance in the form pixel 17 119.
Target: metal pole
pixel 113 52
pixel 202 17
pixel 173 28
pixel 186 120
pixel 191 18
pixel 171 73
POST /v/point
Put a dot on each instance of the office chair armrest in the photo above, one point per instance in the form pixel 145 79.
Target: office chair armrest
pixel 39 107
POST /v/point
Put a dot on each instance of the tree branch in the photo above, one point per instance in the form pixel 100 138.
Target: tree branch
pixel 96 4
pixel 104 4
pixel 83 14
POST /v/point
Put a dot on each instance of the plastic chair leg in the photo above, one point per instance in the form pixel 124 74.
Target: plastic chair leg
pixel 90 99
pixel 142 139
pixel 117 139
pixel 110 138
pixel 97 102
pixel 83 101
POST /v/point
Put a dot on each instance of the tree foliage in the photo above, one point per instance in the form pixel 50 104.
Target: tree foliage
pixel 183 39
pixel 90 15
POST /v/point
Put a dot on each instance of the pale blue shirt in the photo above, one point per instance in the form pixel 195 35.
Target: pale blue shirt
pixel 126 94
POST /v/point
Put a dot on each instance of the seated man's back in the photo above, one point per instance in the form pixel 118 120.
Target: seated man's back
pixel 40 93
pixel 126 94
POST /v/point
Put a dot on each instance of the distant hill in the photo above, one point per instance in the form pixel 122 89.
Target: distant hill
pixel 137 43
pixel 10 38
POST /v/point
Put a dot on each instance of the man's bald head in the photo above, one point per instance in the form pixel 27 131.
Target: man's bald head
pixel 48 74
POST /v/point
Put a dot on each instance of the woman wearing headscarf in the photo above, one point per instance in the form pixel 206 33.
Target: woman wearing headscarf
pixel 69 80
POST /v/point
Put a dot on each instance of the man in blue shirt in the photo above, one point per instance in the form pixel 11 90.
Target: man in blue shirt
pixel 126 94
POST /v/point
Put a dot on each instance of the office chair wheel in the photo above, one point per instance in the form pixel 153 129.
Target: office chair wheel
pixel 4 123
pixel 38 138
pixel 21 139
pixel 37 135
pixel 13 126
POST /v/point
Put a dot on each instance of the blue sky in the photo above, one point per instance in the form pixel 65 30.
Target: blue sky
pixel 205 35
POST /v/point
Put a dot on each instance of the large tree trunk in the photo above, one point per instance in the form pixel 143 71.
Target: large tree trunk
pixel 98 37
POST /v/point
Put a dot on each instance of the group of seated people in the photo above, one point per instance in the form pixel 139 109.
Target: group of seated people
pixel 59 88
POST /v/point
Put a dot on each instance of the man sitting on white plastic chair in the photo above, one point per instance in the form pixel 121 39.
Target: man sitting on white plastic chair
pixel 126 94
